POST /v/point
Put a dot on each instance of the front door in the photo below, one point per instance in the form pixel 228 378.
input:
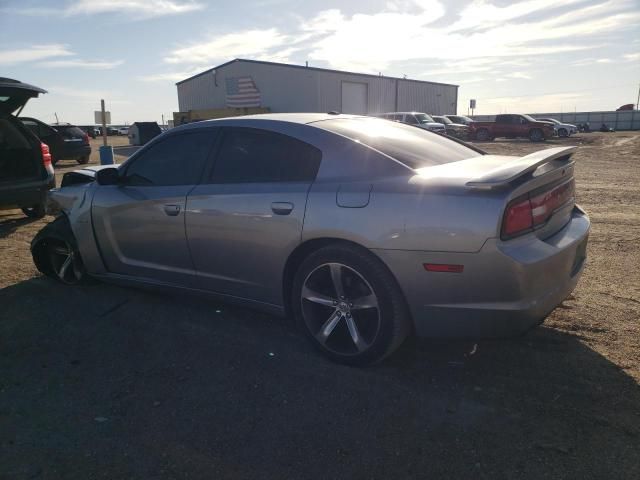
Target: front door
pixel 246 217
pixel 140 223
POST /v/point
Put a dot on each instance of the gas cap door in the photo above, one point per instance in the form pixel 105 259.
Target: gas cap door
pixel 353 195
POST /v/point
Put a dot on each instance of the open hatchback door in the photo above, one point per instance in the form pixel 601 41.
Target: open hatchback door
pixel 14 95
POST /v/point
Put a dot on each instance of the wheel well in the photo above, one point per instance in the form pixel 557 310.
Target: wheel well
pixel 305 249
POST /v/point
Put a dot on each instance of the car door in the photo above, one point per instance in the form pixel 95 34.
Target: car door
pixel 140 223
pixel 245 219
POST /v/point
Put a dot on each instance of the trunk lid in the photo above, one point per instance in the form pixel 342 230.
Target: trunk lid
pixel 15 94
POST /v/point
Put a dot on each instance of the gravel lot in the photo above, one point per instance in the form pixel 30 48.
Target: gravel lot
pixel 109 382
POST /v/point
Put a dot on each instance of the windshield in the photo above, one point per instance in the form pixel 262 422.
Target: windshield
pixel 530 118
pixel 444 120
pixel 423 118
pixel 415 147
pixel 550 120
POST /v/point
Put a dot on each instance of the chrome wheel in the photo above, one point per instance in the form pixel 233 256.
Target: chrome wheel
pixel 340 309
pixel 65 263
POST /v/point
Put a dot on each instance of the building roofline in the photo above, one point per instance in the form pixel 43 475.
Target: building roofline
pixel 317 69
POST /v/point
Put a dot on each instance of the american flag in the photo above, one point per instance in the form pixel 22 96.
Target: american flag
pixel 242 92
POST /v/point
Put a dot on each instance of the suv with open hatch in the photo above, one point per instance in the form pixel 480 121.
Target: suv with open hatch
pixel 26 170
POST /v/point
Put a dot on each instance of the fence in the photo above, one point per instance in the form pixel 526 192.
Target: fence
pixel 623 120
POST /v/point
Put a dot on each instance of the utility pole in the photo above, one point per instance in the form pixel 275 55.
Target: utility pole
pixel 638 100
pixel 104 123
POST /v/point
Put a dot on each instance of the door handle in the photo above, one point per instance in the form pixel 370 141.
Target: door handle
pixel 172 210
pixel 282 208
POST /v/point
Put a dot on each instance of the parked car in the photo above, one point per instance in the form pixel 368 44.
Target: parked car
pixel 363 230
pixel 66 141
pixel 512 126
pixel 123 131
pixel 461 119
pixel 112 131
pixel 561 129
pixel 26 172
pixel 416 119
pixel 456 130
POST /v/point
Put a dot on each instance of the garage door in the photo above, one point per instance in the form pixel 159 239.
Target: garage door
pixel 354 98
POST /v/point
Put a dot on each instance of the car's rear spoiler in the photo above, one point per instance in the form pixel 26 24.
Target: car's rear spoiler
pixel 519 167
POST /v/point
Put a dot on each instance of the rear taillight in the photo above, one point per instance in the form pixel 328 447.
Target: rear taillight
pixel 533 210
pixel 46 158
pixel 86 138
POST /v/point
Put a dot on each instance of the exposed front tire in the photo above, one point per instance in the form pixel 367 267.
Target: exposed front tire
pixel 483 135
pixel 536 135
pixel 349 305
pixel 83 160
pixel 563 132
pixel 55 253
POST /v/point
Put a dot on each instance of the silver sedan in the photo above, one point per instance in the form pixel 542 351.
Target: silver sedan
pixel 361 229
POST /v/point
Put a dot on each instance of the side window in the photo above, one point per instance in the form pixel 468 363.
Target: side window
pixel 410 119
pixel 33 126
pixel 176 160
pixel 249 155
pixel 503 119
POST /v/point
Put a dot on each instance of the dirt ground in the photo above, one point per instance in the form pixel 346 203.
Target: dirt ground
pixel 110 382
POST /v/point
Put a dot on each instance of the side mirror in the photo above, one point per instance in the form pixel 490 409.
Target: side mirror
pixel 108 176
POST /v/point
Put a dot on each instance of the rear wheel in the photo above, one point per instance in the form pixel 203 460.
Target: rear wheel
pixel 36 211
pixel 349 305
pixel 483 135
pixel 83 160
pixel 536 135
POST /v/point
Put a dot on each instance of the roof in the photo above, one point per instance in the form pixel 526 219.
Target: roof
pixel 300 118
pixel 289 65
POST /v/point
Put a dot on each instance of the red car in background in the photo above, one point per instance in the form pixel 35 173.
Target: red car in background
pixel 511 126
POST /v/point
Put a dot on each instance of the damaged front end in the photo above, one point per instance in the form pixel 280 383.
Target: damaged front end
pixel 73 190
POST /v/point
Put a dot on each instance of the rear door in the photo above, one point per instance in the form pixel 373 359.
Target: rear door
pixel 140 224
pixel 246 217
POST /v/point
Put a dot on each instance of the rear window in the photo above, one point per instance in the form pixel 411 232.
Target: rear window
pixel 413 146
pixel 69 131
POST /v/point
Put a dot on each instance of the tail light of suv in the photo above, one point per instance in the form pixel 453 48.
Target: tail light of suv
pixel 532 211
pixel 46 158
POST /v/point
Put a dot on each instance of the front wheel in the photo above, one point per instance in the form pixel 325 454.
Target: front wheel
pixel 55 253
pixel 563 132
pixel 349 305
pixel 536 135
pixel 483 135
pixel 83 160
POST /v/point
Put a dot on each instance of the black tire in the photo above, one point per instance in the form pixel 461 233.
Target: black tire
pixel 536 135
pixel 83 160
pixel 483 135
pixel 36 211
pixel 563 132
pixel 54 247
pixel 364 326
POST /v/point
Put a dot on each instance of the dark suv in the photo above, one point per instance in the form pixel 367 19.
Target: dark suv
pixel 66 141
pixel 26 172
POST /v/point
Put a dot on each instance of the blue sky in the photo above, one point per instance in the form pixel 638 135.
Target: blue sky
pixel 534 55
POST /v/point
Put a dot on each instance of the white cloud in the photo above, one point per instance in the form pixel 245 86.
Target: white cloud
pixel 631 57
pixel 86 64
pixel 520 75
pixel 251 43
pixel 33 53
pixel 146 8
pixel 139 8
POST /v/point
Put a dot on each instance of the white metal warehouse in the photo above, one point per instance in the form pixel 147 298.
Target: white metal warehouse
pixel 282 87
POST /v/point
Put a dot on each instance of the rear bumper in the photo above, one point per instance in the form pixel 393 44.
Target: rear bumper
pixel 505 289
pixel 26 194
pixel 73 151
